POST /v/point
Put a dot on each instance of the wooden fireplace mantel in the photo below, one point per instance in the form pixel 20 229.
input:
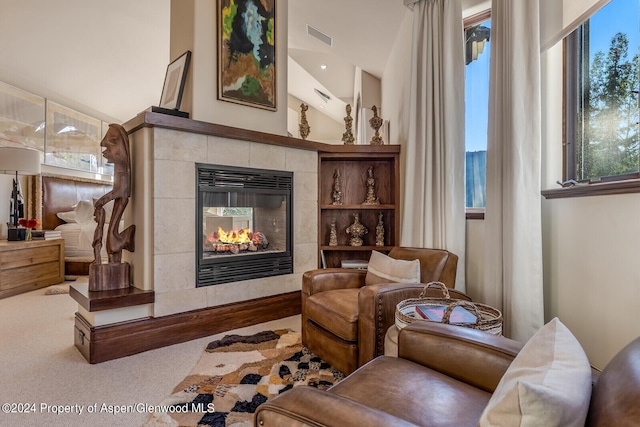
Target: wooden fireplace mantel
pixel 165 121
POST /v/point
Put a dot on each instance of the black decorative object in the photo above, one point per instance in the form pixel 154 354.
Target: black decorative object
pixel 174 82
pixel 176 113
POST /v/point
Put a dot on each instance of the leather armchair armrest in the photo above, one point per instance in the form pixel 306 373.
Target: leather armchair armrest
pixel 474 357
pixel 376 312
pixel 327 279
pixel 308 406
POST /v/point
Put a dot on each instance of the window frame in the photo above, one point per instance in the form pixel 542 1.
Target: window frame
pixel 470 21
pixel 618 184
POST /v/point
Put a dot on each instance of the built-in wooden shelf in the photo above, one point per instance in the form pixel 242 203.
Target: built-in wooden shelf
pixel 108 300
pixel 353 162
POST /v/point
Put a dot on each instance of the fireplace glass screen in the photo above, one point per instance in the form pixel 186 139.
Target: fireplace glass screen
pixel 245 220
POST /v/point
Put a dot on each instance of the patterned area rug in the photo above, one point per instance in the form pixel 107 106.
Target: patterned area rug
pixel 238 373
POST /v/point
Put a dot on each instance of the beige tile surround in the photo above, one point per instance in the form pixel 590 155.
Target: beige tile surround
pixel 163 206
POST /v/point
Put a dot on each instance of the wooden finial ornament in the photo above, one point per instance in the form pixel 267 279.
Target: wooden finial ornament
pixel 347 136
pixel 376 124
pixel 305 129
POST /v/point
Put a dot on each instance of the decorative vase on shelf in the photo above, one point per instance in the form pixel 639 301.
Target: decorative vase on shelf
pixel 371 198
pixel 376 124
pixel 27 235
pixel 304 127
pixel 333 235
pixel 347 136
pixel 380 231
pixel 356 231
pixel 336 195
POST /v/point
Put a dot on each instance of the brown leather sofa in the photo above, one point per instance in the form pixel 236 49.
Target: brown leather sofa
pixel 444 376
pixel 345 322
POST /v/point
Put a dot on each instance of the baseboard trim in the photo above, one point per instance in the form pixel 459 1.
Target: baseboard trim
pixel 127 338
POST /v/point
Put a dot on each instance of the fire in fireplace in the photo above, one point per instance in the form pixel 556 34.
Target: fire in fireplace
pixel 235 241
pixel 244 224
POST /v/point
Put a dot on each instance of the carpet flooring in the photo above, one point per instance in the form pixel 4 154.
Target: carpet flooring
pixel 236 374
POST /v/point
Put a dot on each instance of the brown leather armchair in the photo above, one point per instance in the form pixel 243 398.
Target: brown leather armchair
pixel 444 376
pixel 344 322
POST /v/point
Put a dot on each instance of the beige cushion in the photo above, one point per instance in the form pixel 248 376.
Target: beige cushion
pixel 547 384
pixel 82 213
pixel 384 269
pixel 336 311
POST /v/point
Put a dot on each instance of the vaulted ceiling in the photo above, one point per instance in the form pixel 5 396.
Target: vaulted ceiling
pixel 362 32
pixel 111 56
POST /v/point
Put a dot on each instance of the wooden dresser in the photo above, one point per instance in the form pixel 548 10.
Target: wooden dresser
pixel 29 265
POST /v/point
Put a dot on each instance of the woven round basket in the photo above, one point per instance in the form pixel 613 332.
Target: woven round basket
pixel 488 319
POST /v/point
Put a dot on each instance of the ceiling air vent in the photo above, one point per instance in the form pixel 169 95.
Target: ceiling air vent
pixel 319 35
pixel 322 95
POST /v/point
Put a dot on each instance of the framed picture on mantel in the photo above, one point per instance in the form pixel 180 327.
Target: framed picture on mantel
pixel 247 52
pixel 174 82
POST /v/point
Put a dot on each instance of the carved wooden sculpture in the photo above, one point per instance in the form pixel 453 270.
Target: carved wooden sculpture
pixel 336 195
pixel 356 231
pixel 305 129
pixel 347 136
pixel 380 230
pixel 114 274
pixel 376 124
pixel 371 198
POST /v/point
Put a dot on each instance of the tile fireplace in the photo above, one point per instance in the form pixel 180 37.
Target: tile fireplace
pixel 244 223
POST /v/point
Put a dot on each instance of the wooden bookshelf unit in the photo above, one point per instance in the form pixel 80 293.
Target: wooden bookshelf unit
pixel 353 162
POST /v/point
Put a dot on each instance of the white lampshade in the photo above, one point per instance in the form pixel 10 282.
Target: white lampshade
pixel 23 161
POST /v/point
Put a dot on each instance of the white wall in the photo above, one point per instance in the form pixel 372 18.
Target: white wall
pixel 395 91
pixel 395 83
pixel 367 89
pixel 74 52
pixel 323 128
pixel 590 245
pixel 559 18
pixel 592 279
pixel 204 105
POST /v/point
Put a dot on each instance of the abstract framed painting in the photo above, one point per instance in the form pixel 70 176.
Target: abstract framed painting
pixel 247 52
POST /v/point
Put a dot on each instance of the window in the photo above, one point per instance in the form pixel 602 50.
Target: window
pixel 601 96
pixel 477 54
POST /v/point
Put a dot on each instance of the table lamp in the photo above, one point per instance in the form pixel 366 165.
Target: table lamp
pixel 23 161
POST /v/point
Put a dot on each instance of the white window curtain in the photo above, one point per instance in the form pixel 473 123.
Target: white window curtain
pixel 433 214
pixel 513 231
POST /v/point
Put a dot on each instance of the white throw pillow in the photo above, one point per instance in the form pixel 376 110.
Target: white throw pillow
pixel 84 211
pixel 547 384
pixel 68 217
pixel 384 269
